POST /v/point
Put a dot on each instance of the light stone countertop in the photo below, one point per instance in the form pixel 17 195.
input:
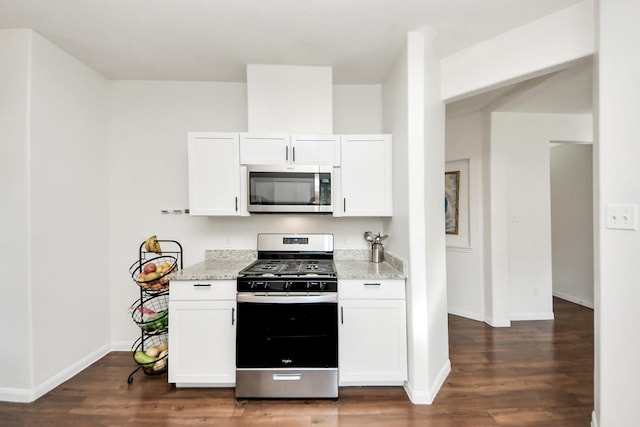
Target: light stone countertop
pixel 366 270
pixel 218 265
pixel 350 264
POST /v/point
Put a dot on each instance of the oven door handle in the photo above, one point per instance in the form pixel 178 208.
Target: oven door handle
pixel 287 299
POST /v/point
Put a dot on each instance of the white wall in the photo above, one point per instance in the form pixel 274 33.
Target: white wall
pixel 466 286
pixel 434 219
pixel 69 210
pixel 549 44
pixel 289 99
pixel 465 252
pixel 15 304
pixel 395 123
pixel 58 185
pixel 520 195
pixel 618 181
pixel 414 114
pixel 572 222
pixel 396 113
pixel 357 109
pixel 148 124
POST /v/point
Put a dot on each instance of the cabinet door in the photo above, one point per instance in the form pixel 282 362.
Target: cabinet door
pixel 214 174
pixel 315 150
pixel 366 175
pixel 272 149
pixel 372 342
pixel 202 343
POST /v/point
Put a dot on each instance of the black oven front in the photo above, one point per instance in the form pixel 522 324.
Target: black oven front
pixel 287 345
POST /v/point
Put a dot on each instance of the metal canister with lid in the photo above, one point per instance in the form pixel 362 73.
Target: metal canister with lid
pixel 377 250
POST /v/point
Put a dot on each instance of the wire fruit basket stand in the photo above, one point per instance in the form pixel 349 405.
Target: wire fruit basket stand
pixel 150 312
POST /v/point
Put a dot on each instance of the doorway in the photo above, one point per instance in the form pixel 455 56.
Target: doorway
pixel 571 172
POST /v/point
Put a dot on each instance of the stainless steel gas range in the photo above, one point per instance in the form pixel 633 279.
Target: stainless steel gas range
pixel 287 330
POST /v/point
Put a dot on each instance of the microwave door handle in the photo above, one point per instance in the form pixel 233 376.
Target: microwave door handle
pixel 316 188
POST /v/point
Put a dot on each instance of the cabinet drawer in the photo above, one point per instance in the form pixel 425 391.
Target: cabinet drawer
pixel 202 290
pixel 371 289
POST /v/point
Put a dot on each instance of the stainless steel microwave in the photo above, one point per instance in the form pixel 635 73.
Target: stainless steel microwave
pixel 282 189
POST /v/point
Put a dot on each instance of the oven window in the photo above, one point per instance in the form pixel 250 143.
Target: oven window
pixel 287 335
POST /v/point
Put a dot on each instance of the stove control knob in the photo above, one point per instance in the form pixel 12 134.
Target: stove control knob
pixel 258 285
pixel 314 285
pixel 287 286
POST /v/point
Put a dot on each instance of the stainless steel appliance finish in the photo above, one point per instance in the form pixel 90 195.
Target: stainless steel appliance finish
pixel 301 245
pixel 287 383
pixel 287 320
pixel 289 189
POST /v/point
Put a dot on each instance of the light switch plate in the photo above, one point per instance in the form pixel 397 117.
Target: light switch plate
pixel 622 217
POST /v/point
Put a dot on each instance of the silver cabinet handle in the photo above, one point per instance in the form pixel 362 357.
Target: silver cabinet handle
pixel 236 203
pixel 202 285
pixel 342 315
pixel 293 156
pixel 344 204
pixel 372 284
pixel 286 153
pixel 233 316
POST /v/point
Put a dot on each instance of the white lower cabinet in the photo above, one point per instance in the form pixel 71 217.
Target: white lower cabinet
pixel 202 315
pixel 372 332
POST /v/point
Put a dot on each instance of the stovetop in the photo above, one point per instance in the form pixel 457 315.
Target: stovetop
pixel 290 267
pixel 291 263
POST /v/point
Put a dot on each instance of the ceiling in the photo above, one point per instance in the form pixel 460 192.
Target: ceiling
pixel 213 40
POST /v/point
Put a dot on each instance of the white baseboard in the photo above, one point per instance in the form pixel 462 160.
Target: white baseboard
pixel 497 323
pixel 122 345
pixel 30 395
pixel 426 397
pixel 575 300
pixel 15 395
pixel 533 316
pixel 466 314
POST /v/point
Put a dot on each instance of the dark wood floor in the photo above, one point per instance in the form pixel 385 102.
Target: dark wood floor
pixel 536 373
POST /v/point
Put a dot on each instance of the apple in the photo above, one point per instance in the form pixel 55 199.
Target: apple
pixel 149 268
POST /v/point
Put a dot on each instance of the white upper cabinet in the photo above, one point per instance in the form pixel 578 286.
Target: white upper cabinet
pixel 285 149
pixel 215 175
pixel 365 176
pixel 361 181
pixel 316 149
pixel 267 149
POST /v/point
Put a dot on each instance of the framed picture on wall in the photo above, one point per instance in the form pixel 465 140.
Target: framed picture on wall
pixel 451 201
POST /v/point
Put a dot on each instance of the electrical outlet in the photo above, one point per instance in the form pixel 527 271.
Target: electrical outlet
pixel 622 217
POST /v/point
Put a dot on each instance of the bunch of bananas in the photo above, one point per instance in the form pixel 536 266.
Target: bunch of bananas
pixel 152 245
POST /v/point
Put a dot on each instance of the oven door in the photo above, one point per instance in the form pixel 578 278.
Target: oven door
pixel 287 331
pixel 287 346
